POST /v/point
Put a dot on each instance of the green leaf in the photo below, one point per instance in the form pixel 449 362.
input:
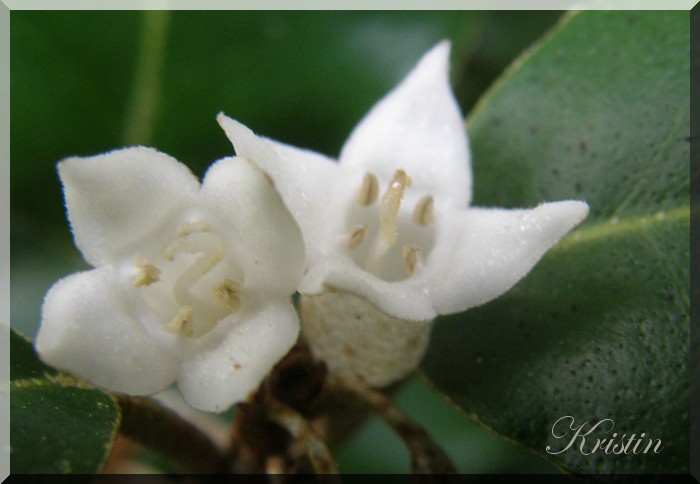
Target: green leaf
pixel 57 426
pixel 24 362
pixel 301 76
pixel 60 430
pixel 599 111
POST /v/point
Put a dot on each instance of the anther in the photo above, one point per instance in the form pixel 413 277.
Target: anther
pixel 369 190
pixel 423 213
pixel 357 236
pixel 146 273
pixel 181 321
pixel 412 256
pixel 391 202
pixel 226 294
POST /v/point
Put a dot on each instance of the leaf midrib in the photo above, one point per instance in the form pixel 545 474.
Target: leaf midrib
pixel 640 225
pixel 615 226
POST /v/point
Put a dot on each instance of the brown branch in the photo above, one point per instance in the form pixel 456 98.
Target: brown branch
pixel 164 431
pixel 427 457
pixel 299 428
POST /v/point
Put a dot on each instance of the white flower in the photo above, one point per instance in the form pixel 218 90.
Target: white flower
pixel 390 239
pixel 190 283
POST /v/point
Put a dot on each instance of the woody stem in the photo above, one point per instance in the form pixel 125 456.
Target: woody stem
pixel 426 456
pixel 148 423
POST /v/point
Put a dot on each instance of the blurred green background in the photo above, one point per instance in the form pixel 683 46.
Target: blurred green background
pixel 87 82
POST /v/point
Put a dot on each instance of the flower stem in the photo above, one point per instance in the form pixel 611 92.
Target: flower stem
pixel 427 457
pixel 300 429
pixel 160 429
pixel 141 111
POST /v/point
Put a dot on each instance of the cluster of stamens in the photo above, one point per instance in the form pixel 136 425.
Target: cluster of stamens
pixel 390 204
pixel 192 238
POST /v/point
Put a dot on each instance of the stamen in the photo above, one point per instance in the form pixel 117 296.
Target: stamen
pixel 369 191
pixel 391 202
pixel 226 294
pixel 412 256
pixel 357 236
pixel 146 273
pixel 181 321
pixel 191 228
pixel 423 213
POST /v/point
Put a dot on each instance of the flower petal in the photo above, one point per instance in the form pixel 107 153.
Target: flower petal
pixel 256 224
pixel 120 197
pixel 417 127
pixel 238 354
pixel 402 300
pixel 311 185
pixel 492 249
pixel 86 329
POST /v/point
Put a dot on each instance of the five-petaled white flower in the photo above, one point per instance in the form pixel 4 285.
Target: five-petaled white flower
pixel 191 283
pixel 389 241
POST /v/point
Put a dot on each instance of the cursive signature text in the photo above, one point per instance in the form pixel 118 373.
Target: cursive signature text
pixel 589 438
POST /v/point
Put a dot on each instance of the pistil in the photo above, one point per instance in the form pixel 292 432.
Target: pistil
pixel 209 245
pixel 387 235
pixel 391 202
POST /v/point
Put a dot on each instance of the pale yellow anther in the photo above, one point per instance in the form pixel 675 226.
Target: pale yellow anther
pixel 357 235
pixel 423 213
pixel 191 228
pixel 181 322
pixel 226 294
pixel 369 191
pixel 391 202
pixel 411 257
pixel 146 273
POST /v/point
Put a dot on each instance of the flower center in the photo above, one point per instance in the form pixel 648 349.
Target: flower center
pixel 392 243
pixel 195 277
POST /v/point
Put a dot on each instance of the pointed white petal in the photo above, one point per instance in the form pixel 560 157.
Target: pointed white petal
pixel 87 329
pixel 417 127
pixel 312 186
pixel 117 198
pixel 492 249
pixel 402 300
pixel 256 225
pixel 238 354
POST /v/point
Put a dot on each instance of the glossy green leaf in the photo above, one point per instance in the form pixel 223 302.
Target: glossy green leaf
pixel 599 330
pixel 57 426
pixel 23 362
pixel 302 76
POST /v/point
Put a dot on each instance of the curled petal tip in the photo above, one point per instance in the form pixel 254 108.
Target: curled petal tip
pixel 439 54
pixel 444 47
pixel 221 118
pixel 574 210
pixel 234 130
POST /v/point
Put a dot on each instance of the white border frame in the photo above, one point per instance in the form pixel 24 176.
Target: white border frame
pixel 4 242
pixel 7 5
